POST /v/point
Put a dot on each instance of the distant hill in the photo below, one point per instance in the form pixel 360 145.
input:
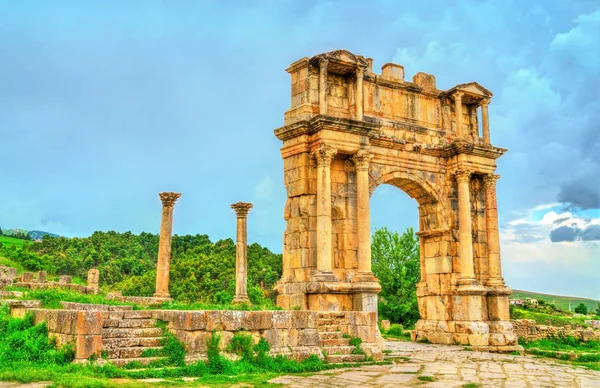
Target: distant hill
pixel 34 234
pixel 561 302
pixel 38 234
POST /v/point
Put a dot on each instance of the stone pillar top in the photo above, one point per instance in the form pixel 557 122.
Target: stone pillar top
pixel 241 209
pixel 489 180
pixel 458 95
pixel 463 175
pixel 168 199
pixel 485 102
pixel 324 155
pixel 361 159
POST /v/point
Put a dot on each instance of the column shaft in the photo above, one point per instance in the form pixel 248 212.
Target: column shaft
pixel 492 234
pixel 324 156
pixel 458 113
pixel 359 94
pixel 465 237
pixel 164 244
pixel 485 122
pixel 323 87
pixel 241 253
pixel 363 216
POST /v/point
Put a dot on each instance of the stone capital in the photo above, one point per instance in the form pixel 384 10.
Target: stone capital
pixel 463 175
pixel 489 180
pixel 241 209
pixel 361 159
pixel 324 155
pixel 323 62
pixel 458 95
pixel 485 102
pixel 168 199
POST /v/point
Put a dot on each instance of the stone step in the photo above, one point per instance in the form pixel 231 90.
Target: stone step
pixel 143 360
pixel 132 352
pixel 131 333
pixel 111 343
pixel 128 323
pixel 335 342
pixel 324 335
pixel 340 358
pixel 328 328
pixel 338 349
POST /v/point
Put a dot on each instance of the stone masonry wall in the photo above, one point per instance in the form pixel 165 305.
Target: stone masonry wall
pixel 530 331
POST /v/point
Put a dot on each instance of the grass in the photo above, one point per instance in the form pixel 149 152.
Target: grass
pixel 426 378
pixel 6 241
pixel 561 302
pixel 9 263
pixel 396 331
pixel 51 298
pixel 544 317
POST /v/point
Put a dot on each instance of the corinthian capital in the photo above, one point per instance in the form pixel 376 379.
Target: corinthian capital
pixel 463 175
pixel 485 102
pixel 324 155
pixel 489 180
pixel 168 199
pixel 241 209
pixel 458 96
pixel 361 159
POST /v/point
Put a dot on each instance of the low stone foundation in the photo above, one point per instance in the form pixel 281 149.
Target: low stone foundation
pixel 493 336
pixel 297 334
pixel 529 330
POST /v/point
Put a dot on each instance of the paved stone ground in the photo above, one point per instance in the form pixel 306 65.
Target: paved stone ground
pixel 450 366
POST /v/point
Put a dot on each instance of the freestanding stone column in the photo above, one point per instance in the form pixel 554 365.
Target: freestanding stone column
pixel 485 121
pixel 491 225
pixel 241 254
pixel 467 271
pixel 164 244
pixel 359 93
pixel 361 160
pixel 324 156
pixel 458 113
pixel 323 86
pixel 93 280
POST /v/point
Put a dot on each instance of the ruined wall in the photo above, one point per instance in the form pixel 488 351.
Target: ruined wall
pixel 529 330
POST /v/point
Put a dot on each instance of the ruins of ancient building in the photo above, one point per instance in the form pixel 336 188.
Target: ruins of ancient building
pixel 349 130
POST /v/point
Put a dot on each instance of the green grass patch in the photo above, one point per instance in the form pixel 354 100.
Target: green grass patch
pixel 52 297
pixel 11 241
pixel 396 331
pixel 557 318
pixel 470 385
pixel 208 306
pixel 426 378
pixel 10 263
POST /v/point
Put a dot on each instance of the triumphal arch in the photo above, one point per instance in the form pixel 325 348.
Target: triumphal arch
pixel 350 130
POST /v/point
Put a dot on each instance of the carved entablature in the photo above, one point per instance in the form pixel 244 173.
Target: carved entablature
pixel 340 62
pixel 470 93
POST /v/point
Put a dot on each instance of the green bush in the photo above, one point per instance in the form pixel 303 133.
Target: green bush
pixel 242 345
pixel 395 330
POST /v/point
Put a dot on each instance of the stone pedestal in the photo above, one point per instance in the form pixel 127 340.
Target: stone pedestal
pixel 241 253
pixel 164 245
pixel 93 280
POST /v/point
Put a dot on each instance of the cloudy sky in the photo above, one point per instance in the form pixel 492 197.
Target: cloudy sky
pixel 105 103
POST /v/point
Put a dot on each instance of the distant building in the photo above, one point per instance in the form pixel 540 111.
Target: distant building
pixel 522 302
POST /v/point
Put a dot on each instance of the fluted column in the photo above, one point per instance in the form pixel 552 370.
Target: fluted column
pixel 485 121
pixel 164 244
pixel 493 236
pixel 241 252
pixel 458 114
pixel 361 160
pixel 323 86
pixel 324 155
pixel 359 93
pixel 467 270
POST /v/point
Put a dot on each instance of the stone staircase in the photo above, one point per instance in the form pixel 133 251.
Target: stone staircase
pixel 332 341
pixel 127 334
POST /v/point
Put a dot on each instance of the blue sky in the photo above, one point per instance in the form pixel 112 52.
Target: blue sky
pixel 105 103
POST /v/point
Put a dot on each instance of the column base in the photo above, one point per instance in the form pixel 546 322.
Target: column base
pixel 322 276
pixel 365 277
pixel 470 287
pixel 161 295
pixel 241 299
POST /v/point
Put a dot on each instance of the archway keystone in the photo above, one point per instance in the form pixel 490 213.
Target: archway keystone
pixel 350 130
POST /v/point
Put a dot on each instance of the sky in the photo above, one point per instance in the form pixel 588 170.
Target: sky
pixel 103 104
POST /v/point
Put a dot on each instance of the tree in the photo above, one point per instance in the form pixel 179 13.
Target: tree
pixel 396 262
pixel 1 232
pixel 581 309
pixel 598 309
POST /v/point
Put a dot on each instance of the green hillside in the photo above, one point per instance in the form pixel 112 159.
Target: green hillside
pixel 561 302
pixel 6 240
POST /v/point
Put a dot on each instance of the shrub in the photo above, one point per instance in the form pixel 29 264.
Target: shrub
pixel 242 345
pixel 395 329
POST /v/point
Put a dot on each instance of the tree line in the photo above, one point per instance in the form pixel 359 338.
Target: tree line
pixel 204 271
